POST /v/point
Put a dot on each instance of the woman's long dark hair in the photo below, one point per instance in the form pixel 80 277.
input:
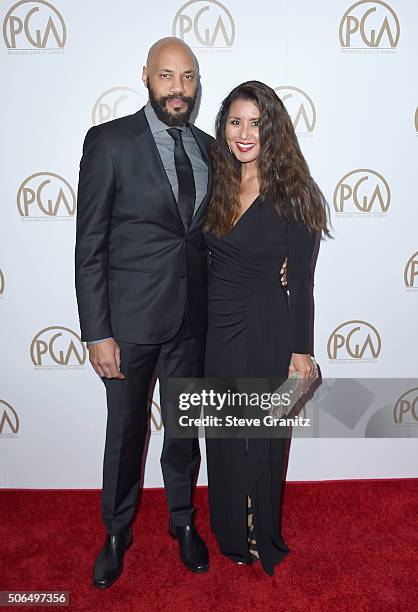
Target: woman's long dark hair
pixel 283 172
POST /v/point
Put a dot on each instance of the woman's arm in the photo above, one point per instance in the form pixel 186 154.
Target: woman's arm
pixel 301 243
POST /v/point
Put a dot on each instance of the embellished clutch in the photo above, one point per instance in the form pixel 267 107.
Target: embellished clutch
pixel 292 390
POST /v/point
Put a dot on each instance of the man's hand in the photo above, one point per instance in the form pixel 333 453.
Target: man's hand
pixel 283 271
pixel 105 359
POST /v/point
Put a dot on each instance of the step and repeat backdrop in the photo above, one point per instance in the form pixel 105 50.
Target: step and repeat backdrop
pixel 347 75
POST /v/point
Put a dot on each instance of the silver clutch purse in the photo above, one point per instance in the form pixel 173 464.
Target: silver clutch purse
pixel 292 390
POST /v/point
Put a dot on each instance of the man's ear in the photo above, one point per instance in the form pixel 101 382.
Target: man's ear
pixel 145 75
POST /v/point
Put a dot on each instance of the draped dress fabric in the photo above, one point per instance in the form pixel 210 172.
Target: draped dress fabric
pixel 252 332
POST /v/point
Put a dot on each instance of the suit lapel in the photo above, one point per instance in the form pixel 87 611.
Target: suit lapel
pixel 148 150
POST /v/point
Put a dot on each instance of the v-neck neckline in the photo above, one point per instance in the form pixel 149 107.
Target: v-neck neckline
pixel 244 213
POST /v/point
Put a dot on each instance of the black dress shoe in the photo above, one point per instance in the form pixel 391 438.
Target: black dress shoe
pixel 109 564
pixel 193 550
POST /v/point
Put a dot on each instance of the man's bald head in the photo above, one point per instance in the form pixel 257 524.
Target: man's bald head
pixel 169 46
pixel 171 76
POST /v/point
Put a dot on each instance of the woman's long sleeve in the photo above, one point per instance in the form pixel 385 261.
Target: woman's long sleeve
pixel 301 243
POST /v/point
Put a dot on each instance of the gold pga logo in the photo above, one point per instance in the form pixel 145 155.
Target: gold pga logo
pixel 114 103
pixel 410 274
pixel 34 25
pixel 204 24
pixel 354 340
pixel 362 192
pixel 369 25
pixel 9 420
pixel 405 411
pixel 2 282
pixel 156 416
pixel 57 347
pixel 46 195
pixel 300 108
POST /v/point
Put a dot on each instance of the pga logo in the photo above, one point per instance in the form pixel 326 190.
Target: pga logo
pixel 204 24
pixel 369 24
pixel 34 25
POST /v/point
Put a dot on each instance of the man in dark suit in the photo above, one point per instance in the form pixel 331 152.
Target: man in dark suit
pixel 141 275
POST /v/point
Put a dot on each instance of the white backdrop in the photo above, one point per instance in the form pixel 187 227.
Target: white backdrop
pixel 346 74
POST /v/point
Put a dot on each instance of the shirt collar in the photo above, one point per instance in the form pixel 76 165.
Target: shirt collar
pixel 156 125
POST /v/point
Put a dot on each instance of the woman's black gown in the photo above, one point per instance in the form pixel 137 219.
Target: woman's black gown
pixel 251 334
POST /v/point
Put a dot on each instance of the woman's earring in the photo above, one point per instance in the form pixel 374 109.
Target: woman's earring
pixel 230 150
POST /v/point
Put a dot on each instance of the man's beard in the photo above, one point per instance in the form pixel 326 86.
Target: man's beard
pixel 177 118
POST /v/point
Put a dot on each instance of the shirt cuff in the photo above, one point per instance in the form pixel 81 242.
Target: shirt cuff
pixel 91 342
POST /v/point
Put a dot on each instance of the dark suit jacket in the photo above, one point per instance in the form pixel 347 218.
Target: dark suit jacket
pixel 136 265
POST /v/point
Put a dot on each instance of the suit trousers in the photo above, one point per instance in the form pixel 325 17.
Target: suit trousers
pixel 127 428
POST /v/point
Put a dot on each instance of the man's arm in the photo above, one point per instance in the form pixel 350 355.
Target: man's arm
pixel 96 189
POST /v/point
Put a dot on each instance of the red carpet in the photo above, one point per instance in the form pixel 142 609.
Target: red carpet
pixel 354 547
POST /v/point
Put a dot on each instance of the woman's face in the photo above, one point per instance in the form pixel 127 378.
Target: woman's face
pixel 242 132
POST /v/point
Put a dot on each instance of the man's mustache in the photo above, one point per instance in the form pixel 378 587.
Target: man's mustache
pixel 185 99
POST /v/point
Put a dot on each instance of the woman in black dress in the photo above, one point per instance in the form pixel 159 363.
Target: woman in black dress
pixel 265 207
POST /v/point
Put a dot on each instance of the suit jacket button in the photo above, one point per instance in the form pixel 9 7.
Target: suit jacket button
pixel 182 275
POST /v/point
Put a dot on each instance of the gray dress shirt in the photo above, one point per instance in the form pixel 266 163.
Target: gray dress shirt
pixel 165 146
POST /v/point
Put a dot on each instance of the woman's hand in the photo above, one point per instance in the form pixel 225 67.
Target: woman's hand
pixel 303 364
